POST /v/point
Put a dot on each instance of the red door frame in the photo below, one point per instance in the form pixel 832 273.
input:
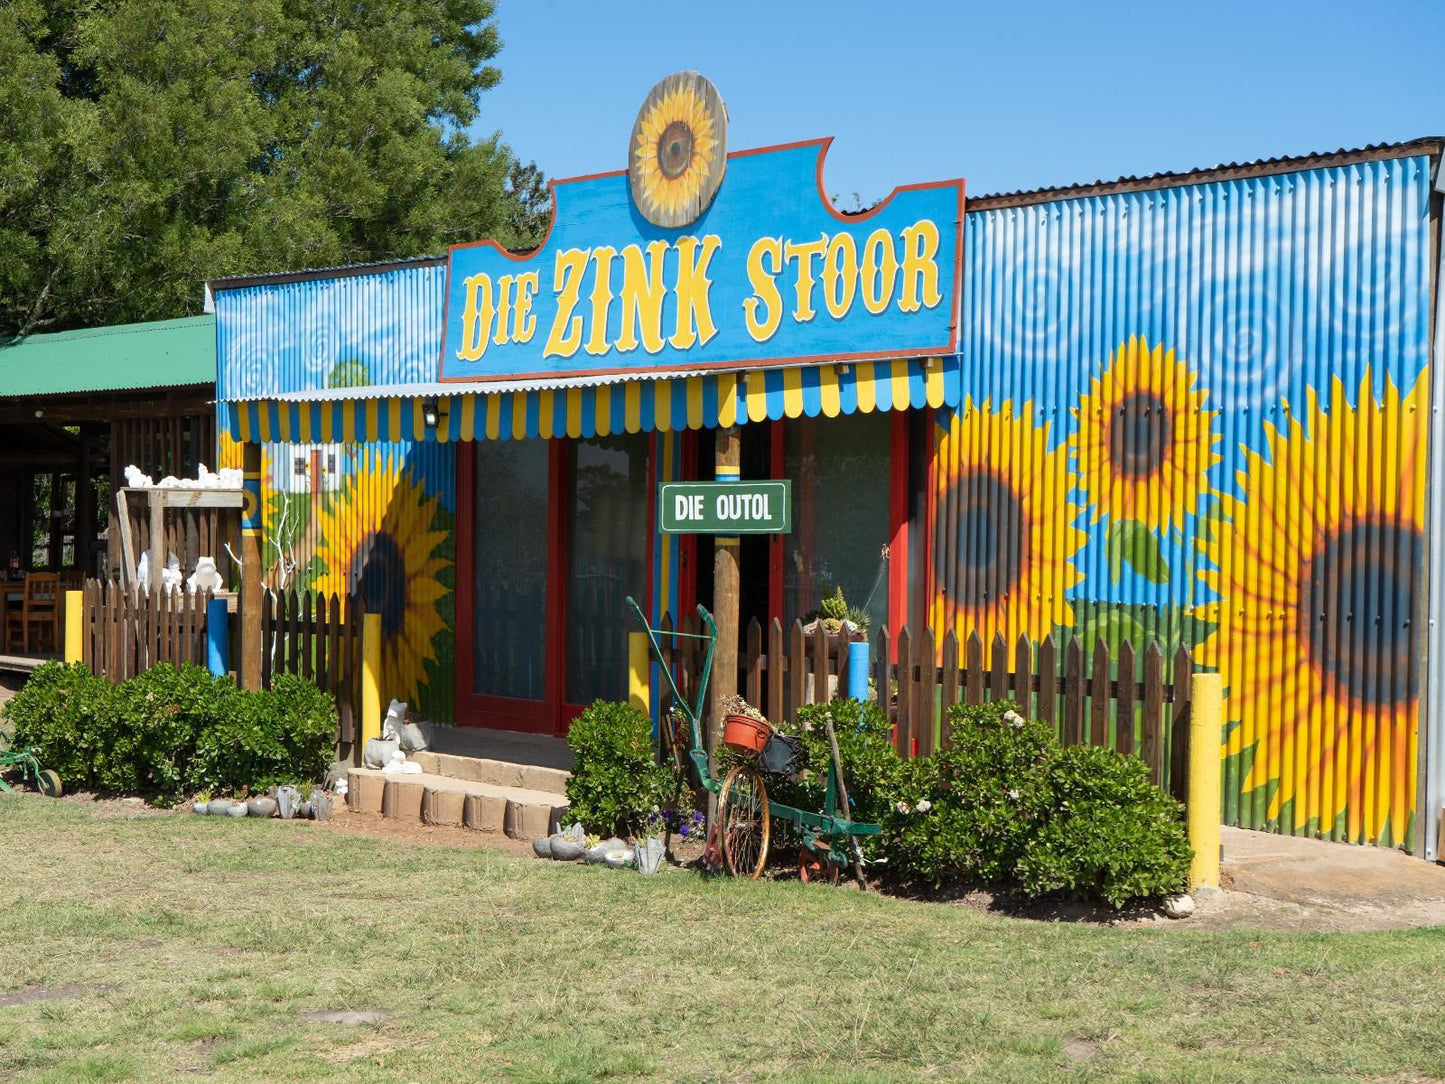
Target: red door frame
pixel 500 712
pixel 552 714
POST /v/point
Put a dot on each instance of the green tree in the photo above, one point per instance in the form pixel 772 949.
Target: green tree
pixel 147 146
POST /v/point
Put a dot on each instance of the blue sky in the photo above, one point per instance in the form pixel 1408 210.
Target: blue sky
pixel 1008 95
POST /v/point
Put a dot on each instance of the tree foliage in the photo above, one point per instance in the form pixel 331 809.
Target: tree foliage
pixel 147 146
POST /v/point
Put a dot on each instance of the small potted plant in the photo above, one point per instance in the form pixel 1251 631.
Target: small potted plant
pixel 647 848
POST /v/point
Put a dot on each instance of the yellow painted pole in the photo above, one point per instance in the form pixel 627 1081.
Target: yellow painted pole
pixel 638 665
pixel 370 677
pixel 1206 724
pixel 74 626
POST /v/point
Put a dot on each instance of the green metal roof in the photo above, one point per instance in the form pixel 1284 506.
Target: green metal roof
pixel 160 354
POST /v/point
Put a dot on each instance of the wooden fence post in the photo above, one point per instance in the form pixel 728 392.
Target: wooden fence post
pixel 74 626
pixel 1206 703
pixel 370 678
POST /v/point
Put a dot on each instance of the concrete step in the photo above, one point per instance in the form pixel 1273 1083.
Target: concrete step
pixel 429 798
pixel 496 773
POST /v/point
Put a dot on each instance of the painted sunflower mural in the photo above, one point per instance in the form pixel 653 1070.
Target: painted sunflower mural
pixel 1144 443
pixel 379 539
pixel 1319 563
pixel 1003 495
pixel 678 150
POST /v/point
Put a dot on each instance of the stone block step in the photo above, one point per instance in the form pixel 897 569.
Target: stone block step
pixel 496 773
pixel 429 798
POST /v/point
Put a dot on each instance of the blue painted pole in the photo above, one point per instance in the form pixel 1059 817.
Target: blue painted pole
pixel 858 669
pixel 218 639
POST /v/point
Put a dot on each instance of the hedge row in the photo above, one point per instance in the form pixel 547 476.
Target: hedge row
pixel 171 732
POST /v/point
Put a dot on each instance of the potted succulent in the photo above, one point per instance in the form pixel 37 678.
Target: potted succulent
pixel 839 620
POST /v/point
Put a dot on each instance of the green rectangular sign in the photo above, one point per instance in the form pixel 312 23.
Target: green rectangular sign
pixel 726 508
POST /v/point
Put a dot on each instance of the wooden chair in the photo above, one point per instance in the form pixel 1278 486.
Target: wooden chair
pixel 39 612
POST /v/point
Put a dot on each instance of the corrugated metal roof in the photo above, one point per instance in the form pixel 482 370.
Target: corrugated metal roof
pixel 159 354
pixel 1262 167
pixel 438 388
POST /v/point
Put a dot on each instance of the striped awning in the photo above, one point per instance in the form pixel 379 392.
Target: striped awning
pixel 634 406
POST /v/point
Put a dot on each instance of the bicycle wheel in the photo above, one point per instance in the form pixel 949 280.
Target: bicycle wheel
pixel 743 812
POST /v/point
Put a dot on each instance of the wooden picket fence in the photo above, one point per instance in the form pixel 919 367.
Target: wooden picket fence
pixel 1122 701
pixel 128 631
pixel 316 637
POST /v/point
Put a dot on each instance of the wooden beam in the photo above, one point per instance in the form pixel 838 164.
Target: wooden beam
pixel 98 407
pixel 726 582
pixel 252 588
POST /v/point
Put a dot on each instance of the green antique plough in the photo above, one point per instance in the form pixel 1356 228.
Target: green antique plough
pixel 43 779
pixel 828 840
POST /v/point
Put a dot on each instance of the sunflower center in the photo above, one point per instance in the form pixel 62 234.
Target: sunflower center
pixel 990 537
pixel 1139 435
pixel 1358 598
pixel 381 582
pixel 674 149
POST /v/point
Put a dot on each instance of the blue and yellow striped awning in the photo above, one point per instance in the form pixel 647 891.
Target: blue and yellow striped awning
pixel 635 406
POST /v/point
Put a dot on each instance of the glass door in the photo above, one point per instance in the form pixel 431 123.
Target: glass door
pixel 509 554
pixel 608 537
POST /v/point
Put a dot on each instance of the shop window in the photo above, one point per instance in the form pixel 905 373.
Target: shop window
pixel 509 580
pixel 841 469
pixel 608 539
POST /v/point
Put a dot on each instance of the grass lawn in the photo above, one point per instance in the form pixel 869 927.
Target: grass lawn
pixel 197 946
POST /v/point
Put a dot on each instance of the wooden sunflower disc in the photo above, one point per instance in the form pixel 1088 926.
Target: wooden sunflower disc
pixel 678 150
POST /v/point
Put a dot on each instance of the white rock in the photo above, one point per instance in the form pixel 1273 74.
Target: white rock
pixel 1181 906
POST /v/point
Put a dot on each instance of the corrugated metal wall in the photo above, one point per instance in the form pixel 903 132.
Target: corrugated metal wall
pixel 382 328
pixel 378 519
pixel 1200 415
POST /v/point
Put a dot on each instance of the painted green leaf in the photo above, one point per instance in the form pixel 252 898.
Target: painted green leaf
pixel 1113 627
pixel 1130 542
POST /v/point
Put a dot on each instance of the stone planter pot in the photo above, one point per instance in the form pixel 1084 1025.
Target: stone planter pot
pixel 566 850
pixel 379 752
pixel 321 807
pixel 219 807
pixel 648 854
pixel 238 809
pixel 287 799
pixel 261 807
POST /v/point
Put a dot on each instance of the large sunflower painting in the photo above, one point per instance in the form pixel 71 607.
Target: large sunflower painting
pixel 1144 443
pixel 1319 564
pixel 1007 535
pixel 378 542
pixel 678 150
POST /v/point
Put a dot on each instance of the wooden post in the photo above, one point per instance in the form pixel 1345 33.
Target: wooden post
pixel 725 586
pixel 1206 705
pixel 252 589
pixel 639 665
pixel 74 626
pixel 370 678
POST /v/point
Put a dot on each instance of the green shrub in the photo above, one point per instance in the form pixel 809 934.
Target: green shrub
pixel 169 732
pixel 871 765
pixel 63 714
pixel 616 780
pixel 967 813
pixel 266 738
pixel 1109 832
pixel 158 717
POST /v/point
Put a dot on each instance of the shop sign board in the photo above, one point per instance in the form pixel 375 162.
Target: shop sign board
pixel 725 508
pixel 768 274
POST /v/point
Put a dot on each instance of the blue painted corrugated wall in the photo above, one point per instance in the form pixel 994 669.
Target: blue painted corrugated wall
pixel 1200 414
